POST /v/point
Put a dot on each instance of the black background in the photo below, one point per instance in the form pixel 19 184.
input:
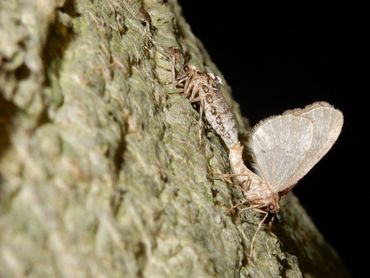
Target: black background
pixel 276 60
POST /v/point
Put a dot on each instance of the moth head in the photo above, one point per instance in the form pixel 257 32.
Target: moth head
pixel 272 205
pixel 189 68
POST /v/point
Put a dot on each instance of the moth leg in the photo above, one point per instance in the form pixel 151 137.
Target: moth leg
pixel 226 177
pixel 193 92
pixel 179 81
pixel 258 229
pixel 271 221
pixel 172 54
pixel 254 207
pixel 174 81
pixel 189 88
pixel 246 184
pixel 197 99
pixel 194 97
pixel 238 205
pixel 191 81
pixel 173 69
pixel 200 120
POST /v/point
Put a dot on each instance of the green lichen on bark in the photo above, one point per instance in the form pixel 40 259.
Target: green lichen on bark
pixel 102 169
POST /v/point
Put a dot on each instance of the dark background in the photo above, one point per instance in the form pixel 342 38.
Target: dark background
pixel 276 60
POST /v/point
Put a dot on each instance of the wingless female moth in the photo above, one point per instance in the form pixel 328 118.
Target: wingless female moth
pixel 204 88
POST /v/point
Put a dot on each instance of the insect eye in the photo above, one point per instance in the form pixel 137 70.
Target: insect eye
pixel 186 68
pixel 271 207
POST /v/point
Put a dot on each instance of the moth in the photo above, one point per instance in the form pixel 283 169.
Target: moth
pixel 284 149
pixel 204 88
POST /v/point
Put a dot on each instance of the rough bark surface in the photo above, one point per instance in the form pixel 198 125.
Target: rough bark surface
pixel 103 172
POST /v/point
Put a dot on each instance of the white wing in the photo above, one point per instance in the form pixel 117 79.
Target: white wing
pixel 327 125
pixel 280 145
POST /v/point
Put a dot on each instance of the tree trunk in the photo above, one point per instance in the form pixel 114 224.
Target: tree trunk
pixel 104 169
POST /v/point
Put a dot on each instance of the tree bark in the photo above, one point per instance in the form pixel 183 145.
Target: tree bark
pixel 104 169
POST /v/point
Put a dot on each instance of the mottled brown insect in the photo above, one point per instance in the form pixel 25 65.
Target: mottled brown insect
pixel 204 88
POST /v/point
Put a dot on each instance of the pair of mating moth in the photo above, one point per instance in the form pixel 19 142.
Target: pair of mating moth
pixel 284 147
